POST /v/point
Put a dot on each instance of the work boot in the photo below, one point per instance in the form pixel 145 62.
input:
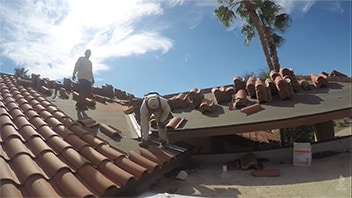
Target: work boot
pixel 163 143
pixel 145 144
pixel 80 107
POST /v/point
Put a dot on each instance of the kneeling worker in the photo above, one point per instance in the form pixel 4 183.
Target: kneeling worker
pixel 154 104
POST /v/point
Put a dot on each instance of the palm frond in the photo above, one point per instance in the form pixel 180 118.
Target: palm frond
pixel 225 15
pixel 282 22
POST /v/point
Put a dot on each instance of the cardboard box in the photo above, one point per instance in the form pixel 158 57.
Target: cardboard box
pixel 302 154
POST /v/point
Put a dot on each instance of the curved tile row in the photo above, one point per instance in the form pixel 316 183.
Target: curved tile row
pixel 42 146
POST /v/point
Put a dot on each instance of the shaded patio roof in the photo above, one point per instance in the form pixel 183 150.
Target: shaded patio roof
pixel 306 107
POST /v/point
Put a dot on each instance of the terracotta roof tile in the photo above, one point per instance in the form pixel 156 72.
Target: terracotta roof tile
pixel 251 108
pixel 34 187
pixel 53 122
pixel 7 173
pixel 88 122
pixel 179 101
pixel 116 173
pixel 5 120
pixel 162 153
pixel 78 130
pixel 30 113
pixel 28 132
pixel 15 112
pixel 304 84
pixel 63 131
pixel 9 189
pixel 39 107
pixel 58 144
pixel 96 180
pixel 38 122
pixel 239 99
pixel 52 109
pixel 25 167
pixel 71 185
pixel 57 114
pixel 92 140
pixel 76 142
pixel 68 122
pixel 46 132
pixel 33 102
pixel 93 156
pixel 109 152
pixel 51 163
pixel 14 147
pixel 250 87
pixel 153 156
pixel 25 106
pixel 263 93
pixel 319 80
pixel 206 105
pixel 3 154
pixel 21 121
pixel 195 97
pixel 12 105
pixel 143 161
pixel 3 111
pixel 45 115
pixel 222 94
pixel 46 153
pixel 9 131
pixel 130 166
pixel 238 83
pixel 75 160
pixel 109 130
pixel 38 146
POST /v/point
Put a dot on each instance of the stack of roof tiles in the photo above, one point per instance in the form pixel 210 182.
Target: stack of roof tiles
pixel 283 83
pixel 206 105
pixel 319 80
pixel 44 153
pixel 250 86
pixel 239 99
pixel 238 83
pixel 222 94
pixel 194 98
pixel 263 93
pixel 179 101
pixel 283 86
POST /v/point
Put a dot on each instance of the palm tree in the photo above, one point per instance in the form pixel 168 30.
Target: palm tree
pixel 262 18
pixel 21 72
pixel 273 21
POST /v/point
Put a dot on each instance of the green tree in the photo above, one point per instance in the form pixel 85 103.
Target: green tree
pixel 21 72
pixel 262 17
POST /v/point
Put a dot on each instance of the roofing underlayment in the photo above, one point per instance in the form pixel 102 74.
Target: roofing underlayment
pixel 47 148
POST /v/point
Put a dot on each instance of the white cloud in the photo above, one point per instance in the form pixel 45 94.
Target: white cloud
pixel 47 36
pixel 336 7
pixel 291 6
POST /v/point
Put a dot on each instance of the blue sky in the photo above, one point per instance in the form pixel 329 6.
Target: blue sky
pixel 168 46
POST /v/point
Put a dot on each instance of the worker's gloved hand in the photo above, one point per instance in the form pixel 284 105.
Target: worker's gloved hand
pixel 73 77
pixel 162 124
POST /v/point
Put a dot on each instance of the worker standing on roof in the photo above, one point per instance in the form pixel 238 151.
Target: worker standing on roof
pixel 154 104
pixel 84 70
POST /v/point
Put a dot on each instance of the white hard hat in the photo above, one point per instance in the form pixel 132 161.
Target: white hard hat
pixel 153 103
